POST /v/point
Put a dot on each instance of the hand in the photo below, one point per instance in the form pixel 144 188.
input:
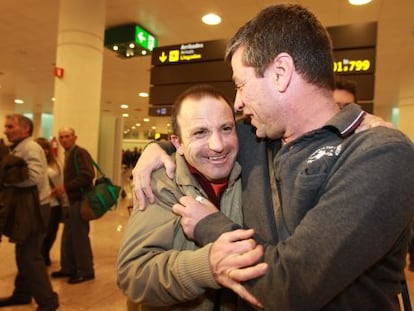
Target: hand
pixel 233 259
pixel 152 158
pixel 192 211
pixel 58 191
pixel 371 121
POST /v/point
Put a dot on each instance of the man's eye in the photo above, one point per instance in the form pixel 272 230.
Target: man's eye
pixel 199 133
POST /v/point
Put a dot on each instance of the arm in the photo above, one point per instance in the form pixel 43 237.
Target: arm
pixel 35 159
pixel 342 243
pixel 84 178
pixel 152 158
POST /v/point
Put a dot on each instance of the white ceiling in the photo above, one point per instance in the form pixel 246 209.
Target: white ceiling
pixel 28 32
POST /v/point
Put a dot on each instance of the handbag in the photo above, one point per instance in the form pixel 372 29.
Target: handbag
pixel 101 198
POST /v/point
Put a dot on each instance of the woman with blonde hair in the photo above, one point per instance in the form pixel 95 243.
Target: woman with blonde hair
pixel 55 174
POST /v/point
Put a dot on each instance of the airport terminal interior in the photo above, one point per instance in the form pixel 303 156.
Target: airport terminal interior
pixel 30 71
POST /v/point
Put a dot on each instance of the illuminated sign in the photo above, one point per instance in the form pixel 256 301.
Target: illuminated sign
pixel 144 38
pixel 189 52
pixel 129 40
pixel 159 111
pixel 353 61
pixel 351 65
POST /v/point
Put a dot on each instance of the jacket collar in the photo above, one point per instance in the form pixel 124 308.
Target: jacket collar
pixel 347 120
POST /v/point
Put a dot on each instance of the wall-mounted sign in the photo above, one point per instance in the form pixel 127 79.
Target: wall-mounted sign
pixel 189 52
pixel 354 61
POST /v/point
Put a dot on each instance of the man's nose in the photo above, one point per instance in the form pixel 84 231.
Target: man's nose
pixel 238 103
pixel 215 142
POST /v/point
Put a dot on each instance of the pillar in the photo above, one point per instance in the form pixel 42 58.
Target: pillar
pixel 80 54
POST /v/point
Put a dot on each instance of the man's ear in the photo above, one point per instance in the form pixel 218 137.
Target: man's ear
pixel 177 144
pixel 282 71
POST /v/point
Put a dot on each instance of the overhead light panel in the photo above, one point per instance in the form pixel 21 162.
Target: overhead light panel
pixel 359 2
pixel 211 19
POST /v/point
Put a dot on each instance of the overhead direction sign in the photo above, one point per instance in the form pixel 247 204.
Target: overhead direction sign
pixel 189 52
pixel 145 39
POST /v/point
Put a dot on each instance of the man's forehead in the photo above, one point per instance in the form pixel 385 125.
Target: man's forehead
pixel 65 134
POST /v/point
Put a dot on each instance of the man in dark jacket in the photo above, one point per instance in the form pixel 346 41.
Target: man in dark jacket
pixel 78 175
pixel 342 202
pixel 26 197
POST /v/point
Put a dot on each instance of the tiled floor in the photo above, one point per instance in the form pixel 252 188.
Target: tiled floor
pixel 102 293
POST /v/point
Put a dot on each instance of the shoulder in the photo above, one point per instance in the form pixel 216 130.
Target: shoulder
pixel 168 190
pixel 380 141
pixel 381 135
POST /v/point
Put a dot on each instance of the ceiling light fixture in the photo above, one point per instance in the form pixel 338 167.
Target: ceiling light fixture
pixel 143 94
pixel 211 19
pixel 124 106
pixel 19 101
pixel 359 2
pixel 125 115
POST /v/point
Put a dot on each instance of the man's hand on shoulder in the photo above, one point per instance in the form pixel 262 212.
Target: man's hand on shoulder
pixel 152 158
pixel 371 121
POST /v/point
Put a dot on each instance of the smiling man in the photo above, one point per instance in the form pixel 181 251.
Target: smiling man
pixel 158 265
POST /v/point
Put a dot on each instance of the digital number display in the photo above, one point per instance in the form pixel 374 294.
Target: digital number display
pixel 351 65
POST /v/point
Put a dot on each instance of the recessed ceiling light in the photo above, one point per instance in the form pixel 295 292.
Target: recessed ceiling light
pixel 211 19
pixel 359 2
pixel 143 94
pixel 125 115
pixel 124 106
pixel 146 119
pixel 53 99
pixel 115 48
pixel 19 101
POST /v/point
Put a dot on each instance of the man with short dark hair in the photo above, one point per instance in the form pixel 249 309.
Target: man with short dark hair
pixel 158 266
pixel 345 92
pixel 27 201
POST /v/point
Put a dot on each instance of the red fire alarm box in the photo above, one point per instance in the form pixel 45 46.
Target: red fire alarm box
pixel 58 71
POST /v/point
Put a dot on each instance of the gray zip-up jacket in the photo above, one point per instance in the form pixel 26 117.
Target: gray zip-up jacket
pixel 346 210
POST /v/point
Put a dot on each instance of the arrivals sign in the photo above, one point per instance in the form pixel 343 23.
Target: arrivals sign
pixel 189 53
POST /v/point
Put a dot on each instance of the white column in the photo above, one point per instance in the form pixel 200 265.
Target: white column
pixel 80 54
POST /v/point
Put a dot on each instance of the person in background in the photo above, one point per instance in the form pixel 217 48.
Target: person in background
pixel 57 201
pixel 158 266
pixel 335 234
pixel 25 194
pixel 345 93
pixel 78 175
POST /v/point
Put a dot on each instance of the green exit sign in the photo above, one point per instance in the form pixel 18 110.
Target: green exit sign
pixel 145 39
